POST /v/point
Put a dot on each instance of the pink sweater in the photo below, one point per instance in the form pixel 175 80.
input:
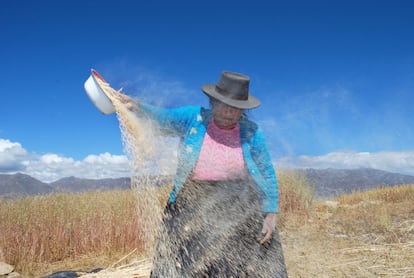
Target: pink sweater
pixel 221 156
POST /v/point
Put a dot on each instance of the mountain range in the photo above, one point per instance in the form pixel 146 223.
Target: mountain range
pixel 15 185
pixel 325 182
pixel 333 182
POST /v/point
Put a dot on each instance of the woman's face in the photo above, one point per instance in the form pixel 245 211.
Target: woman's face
pixel 225 116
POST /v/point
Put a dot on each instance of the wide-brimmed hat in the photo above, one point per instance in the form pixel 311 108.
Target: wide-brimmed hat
pixel 232 89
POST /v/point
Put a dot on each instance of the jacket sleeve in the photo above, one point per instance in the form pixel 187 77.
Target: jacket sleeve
pixel 263 160
pixel 172 121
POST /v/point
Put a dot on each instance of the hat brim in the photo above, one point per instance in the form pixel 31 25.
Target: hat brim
pixel 250 103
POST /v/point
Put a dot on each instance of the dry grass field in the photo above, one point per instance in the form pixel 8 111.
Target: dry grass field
pixel 364 234
pixel 368 234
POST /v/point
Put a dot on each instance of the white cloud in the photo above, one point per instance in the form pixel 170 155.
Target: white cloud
pixel 398 162
pixel 12 155
pixel 51 167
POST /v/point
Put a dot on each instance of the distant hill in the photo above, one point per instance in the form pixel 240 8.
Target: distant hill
pixel 15 185
pixel 72 184
pixel 334 182
pixel 18 184
pixel 326 182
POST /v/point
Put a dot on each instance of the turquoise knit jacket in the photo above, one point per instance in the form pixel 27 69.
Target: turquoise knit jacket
pixel 190 123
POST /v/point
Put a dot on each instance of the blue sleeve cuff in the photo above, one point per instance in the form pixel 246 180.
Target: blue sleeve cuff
pixel 270 206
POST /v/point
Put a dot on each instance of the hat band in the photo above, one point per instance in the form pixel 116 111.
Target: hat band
pixel 231 95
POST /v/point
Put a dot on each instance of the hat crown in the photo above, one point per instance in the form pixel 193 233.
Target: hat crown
pixel 233 85
pixel 232 89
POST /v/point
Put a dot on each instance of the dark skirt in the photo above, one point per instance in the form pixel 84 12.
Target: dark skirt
pixel 211 231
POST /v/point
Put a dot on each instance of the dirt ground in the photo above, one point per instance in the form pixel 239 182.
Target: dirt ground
pixel 322 248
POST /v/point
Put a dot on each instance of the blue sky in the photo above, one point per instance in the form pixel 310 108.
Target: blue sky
pixel 336 78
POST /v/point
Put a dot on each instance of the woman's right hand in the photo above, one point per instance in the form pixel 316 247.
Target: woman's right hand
pixel 129 102
pixel 113 94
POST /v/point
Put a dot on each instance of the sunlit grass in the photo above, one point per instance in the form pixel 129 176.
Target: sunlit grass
pixel 375 211
pixel 55 227
pixel 295 198
pixel 387 194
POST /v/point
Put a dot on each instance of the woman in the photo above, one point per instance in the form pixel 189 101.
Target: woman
pixel 220 220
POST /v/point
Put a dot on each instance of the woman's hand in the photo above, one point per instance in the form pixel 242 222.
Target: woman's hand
pixel 129 102
pixel 268 229
pixel 113 95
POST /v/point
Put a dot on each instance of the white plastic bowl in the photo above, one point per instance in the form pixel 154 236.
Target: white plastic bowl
pixel 97 95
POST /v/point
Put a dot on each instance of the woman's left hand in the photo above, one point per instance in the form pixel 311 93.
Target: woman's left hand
pixel 268 229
